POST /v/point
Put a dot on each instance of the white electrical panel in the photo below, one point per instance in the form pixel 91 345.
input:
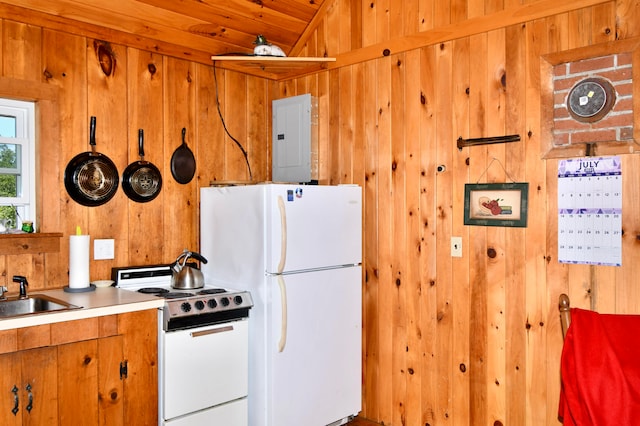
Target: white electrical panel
pixel 292 129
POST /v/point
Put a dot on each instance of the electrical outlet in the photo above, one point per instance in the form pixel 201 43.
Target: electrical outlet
pixel 103 249
pixel 456 246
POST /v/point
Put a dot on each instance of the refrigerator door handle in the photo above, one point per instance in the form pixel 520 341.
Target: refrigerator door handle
pixel 283 234
pixel 283 323
pixel 281 284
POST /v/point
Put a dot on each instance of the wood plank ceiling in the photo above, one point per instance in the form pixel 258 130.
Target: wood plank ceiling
pixel 191 29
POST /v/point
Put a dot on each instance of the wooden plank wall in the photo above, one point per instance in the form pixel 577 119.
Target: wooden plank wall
pixel 449 341
pixel 474 340
pixel 159 94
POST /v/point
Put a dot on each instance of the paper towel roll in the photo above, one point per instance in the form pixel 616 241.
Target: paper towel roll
pixel 79 261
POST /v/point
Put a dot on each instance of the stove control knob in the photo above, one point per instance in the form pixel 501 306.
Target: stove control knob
pixel 212 303
pixel 186 307
pixel 237 300
pixel 199 305
pixel 224 301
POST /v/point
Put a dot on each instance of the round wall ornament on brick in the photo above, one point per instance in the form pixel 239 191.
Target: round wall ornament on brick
pixel 591 99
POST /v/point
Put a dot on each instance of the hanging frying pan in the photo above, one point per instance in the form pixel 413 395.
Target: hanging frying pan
pixel 91 178
pixel 141 181
pixel 183 163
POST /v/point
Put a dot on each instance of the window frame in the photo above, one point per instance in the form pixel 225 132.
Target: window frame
pixel 25 114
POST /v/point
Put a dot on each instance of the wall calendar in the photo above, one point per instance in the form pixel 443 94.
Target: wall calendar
pixel 590 211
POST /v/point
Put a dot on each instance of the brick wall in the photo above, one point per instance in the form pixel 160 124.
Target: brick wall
pixel 617 125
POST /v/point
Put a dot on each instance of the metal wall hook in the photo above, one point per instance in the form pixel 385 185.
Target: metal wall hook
pixel 590 150
pixel 463 143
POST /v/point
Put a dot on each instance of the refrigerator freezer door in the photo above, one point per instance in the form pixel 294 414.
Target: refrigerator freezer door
pixel 316 379
pixel 312 227
pixel 241 230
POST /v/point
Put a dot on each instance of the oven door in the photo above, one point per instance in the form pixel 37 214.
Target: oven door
pixel 203 367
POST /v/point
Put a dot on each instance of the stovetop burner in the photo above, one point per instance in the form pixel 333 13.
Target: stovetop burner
pixel 170 294
pixel 176 295
pixel 212 291
pixel 153 290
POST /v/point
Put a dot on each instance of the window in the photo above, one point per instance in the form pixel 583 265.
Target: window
pixel 17 163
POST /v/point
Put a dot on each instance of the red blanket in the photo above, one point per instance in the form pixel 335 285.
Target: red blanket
pixel 600 370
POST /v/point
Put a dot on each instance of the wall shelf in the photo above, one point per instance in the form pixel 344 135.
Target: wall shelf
pixel 21 243
pixel 273 67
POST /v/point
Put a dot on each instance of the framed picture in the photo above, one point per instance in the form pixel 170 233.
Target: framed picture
pixel 496 204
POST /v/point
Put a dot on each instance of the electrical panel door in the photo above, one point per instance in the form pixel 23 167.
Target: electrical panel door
pixel 292 139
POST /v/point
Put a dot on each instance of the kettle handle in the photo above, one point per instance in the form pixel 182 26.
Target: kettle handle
pixel 197 256
pixel 177 267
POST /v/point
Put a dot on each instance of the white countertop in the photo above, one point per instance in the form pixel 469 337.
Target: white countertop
pixel 100 302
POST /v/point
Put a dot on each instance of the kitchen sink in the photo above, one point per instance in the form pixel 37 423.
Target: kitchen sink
pixel 36 304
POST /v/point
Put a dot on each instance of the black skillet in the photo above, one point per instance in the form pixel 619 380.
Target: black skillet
pixel 91 178
pixel 141 180
pixel 183 163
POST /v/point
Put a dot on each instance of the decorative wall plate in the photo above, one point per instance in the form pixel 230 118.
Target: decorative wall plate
pixel 591 99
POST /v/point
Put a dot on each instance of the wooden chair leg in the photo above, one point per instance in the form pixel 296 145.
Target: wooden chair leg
pixel 565 313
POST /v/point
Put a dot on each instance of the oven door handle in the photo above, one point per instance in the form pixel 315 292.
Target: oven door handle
pixel 283 235
pixel 211 331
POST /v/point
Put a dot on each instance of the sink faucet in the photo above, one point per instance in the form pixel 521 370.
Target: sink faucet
pixel 23 285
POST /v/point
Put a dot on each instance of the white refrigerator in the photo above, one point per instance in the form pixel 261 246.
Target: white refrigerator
pixel 298 250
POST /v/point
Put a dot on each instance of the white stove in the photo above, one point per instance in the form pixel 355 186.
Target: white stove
pixel 184 308
pixel 203 348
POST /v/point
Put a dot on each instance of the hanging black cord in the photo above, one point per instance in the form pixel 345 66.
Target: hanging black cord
pixel 224 125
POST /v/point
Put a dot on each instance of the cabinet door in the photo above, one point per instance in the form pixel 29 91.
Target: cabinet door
pixel 11 376
pixel 39 393
pixel 78 383
pixel 33 374
pixel 110 385
pixel 141 352
pixel 91 391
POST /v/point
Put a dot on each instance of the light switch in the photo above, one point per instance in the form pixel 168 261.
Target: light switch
pixel 103 249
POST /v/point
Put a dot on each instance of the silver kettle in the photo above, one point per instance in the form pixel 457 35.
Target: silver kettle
pixel 184 276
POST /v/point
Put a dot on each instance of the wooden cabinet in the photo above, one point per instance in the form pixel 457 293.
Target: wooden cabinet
pixel 109 378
